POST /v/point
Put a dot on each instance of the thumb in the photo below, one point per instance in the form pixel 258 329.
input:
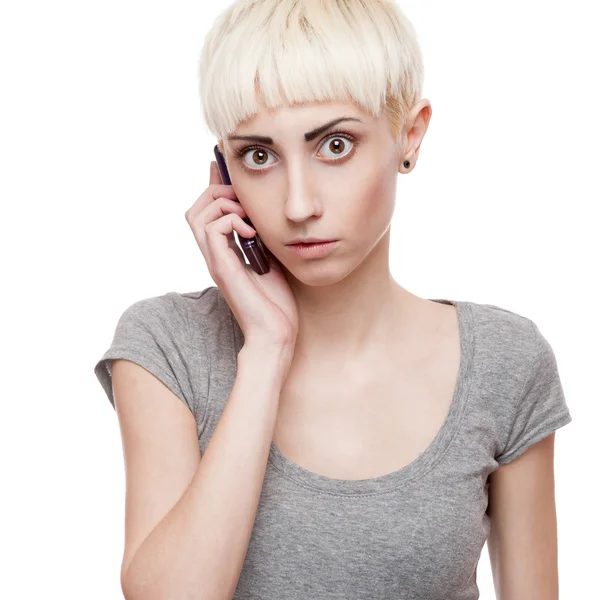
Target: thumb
pixel 215 177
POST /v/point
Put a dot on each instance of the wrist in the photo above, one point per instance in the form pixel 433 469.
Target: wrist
pixel 267 358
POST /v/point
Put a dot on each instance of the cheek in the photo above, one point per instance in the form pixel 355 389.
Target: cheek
pixel 255 202
pixel 370 200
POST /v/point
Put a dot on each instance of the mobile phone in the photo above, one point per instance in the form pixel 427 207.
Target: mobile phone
pixel 252 248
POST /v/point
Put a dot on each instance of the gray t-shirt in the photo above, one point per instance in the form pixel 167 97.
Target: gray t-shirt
pixel 416 533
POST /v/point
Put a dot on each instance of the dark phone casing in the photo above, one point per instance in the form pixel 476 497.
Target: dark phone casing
pixel 251 247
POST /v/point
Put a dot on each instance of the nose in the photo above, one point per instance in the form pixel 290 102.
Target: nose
pixel 303 199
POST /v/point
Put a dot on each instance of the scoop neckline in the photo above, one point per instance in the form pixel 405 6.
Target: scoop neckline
pixel 426 459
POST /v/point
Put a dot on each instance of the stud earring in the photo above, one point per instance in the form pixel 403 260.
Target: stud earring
pixel 407 164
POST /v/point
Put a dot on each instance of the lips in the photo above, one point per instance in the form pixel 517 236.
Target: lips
pixel 313 250
pixel 309 242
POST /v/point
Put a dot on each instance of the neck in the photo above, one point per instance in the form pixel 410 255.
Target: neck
pixel 355 317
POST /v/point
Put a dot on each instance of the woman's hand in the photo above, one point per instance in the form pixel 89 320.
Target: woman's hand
pixel 263 305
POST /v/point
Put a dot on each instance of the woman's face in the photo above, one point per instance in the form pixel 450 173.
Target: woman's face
pixel 339 184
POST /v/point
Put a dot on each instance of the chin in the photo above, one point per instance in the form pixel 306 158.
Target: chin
pixel 317 273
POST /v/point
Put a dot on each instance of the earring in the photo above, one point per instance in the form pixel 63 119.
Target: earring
pixel 407 164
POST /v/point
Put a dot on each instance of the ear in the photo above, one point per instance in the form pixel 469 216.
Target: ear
pixel 410 158
pixel 416 127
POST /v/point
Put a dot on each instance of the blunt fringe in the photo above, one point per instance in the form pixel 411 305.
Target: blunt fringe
pixel 302 51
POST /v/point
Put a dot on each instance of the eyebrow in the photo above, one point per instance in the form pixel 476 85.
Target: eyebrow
pixel 308 136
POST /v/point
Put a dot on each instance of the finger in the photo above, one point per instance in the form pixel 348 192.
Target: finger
pixel 215 176
pixel 217 209
pixel 214 211
pixel 217 239
pixel 219 232
pixel 210 194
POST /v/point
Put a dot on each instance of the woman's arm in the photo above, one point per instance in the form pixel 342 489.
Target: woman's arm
pixel 198 549
pixel 522 543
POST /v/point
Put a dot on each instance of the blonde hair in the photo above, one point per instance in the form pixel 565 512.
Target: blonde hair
pixel 295 51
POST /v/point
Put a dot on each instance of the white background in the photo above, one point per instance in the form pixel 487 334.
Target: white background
pixel 103 149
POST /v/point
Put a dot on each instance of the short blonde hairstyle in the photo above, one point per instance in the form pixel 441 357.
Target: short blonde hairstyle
pixel 296 51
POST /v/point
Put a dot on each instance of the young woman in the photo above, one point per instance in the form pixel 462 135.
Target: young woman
pixel 319 431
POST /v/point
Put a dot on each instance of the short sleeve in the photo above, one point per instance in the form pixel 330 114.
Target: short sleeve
pixel 152 333
pixel 541 408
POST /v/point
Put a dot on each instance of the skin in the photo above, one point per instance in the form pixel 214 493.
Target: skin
pixel 397 341
pixel 300 190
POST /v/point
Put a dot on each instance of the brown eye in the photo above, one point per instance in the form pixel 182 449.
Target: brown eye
pixel 339 146
pixel 336 145
pixel 259 157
